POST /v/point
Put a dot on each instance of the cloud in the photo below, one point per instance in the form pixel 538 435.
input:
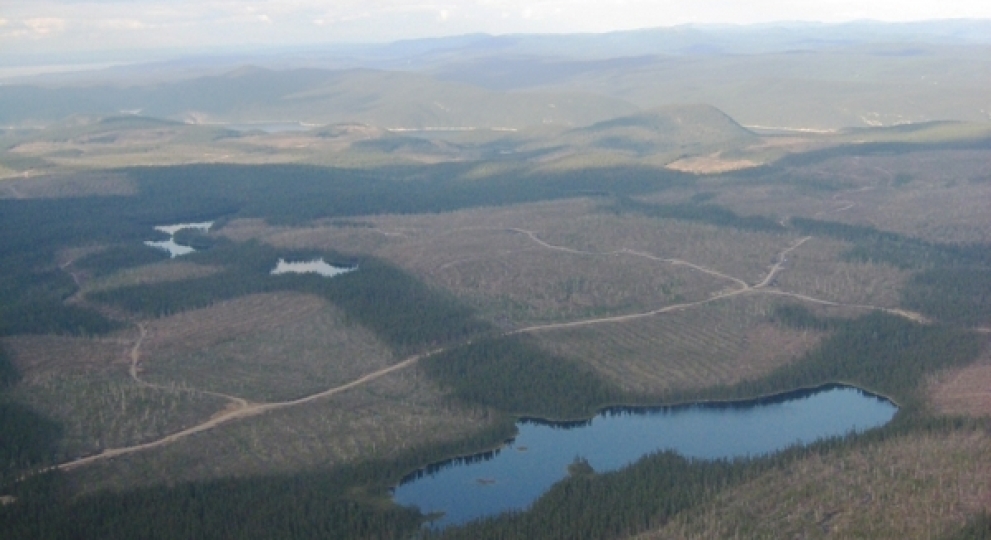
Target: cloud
pixel 122 24
pixel 43 26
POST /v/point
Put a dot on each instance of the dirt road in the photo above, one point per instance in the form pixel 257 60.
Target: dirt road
pixel 134 370
pixel 248 410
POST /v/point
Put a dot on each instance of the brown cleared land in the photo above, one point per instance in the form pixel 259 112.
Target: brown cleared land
pixel 275 346
pixel 719 343
pixel 226 321
pixel 532 286
pixel 560 260
pixel 944 200
pixel 379 420
pixel 106 138
pixel 164 272
pixel 404 233
pixel 42 357
pixel 965 391
pixel 110 148
pixel 83 384
pixel 744 255
pixel 508 276
pixel 262 348
pixel 109 411
pixel 922 486
pixel 711 164
pixel 818 270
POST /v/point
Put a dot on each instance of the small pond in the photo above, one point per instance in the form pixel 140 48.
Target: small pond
pixel 316 266
pixel 170 245
pixel 517 474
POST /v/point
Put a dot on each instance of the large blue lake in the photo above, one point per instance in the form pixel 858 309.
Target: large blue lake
pixel 516 475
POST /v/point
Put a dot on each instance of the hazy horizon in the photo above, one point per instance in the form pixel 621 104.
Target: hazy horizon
pixel 95 30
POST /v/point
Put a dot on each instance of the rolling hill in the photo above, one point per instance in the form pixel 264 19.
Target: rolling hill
pixel 313 96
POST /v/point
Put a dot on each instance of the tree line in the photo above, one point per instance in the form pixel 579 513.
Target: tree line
pixel 514 375
pixel 698 210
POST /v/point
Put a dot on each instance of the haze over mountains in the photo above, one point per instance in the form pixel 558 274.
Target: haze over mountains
pixel 795 75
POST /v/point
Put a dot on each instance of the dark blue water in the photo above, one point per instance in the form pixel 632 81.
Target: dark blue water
pixel 516 475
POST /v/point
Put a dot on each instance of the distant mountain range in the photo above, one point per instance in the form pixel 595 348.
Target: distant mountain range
pixel 791 75
pixel 386 99
pixel 420 54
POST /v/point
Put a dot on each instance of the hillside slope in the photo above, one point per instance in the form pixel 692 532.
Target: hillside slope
pixel 314 96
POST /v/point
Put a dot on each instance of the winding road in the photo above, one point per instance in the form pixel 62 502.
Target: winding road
pixel 245 411
pixel 134 371
pixel 846 204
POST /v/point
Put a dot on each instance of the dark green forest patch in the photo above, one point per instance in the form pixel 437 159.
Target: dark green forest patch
pixel 512 374
pixel 874 245
pixel 294 194
pixel 27 439
pixel 8 371
pixel 977 528
pixel 119 257
pixel 616 504
pixel 699 212
pixel 959 295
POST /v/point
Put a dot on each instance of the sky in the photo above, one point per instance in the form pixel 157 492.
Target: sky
pixel 43 27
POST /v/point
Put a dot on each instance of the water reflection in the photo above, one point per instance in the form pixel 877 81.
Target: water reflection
pixel 316 266
pixel 170 245
pixel 512 477
pixel 434 468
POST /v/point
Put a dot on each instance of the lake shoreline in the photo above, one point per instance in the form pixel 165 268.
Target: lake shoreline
pixel 703 429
